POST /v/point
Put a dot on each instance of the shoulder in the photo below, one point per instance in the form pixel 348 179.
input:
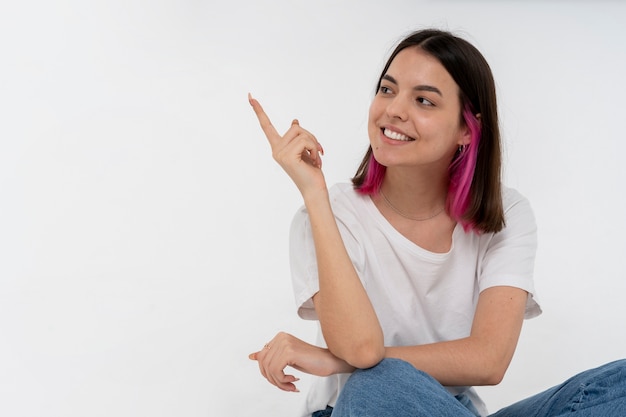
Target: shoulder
pixel 510 197
pixel 343 191
pixel 516 206
pixel 519 221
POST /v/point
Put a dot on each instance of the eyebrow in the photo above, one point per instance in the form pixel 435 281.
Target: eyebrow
pixel 420 87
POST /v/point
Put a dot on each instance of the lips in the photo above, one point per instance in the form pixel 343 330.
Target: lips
pixel 396 136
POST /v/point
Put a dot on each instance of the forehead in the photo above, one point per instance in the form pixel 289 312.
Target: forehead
pixel 413 66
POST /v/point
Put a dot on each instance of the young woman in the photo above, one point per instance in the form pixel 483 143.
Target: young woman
pixel 420 272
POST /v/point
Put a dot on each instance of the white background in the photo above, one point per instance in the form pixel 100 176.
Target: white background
pixel 143 223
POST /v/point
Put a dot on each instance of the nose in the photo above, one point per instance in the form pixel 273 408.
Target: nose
pixel 397 108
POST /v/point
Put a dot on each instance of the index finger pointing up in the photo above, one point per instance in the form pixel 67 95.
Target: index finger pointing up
pixel 267 126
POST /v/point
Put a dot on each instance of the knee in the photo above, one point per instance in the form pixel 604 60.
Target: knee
pixel 604 386
pixel 392 388
pixel 387 370
pixel 608 379
pixel 390 366
pixel 389 373
pixel 619 364
pixel 615 370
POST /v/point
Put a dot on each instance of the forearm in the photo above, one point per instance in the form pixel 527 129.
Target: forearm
pixel 349 323
pixel 329 364
pixel 463 362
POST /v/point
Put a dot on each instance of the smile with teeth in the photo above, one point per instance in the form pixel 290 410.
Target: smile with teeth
pixel 396 136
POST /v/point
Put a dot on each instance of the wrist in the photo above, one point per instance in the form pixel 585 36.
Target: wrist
pixel 339 366
pixel 316 202
pixel 316 198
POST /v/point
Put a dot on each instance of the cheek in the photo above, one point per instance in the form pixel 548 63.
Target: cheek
pixel 372 134
pixel 373 116
pixel 377 109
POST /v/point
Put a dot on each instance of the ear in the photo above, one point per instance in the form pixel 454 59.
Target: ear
pixel 466 136
pixel 466 133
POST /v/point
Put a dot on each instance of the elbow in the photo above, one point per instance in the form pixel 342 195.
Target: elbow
pixel 493 375
pixel 492 365
pixel 365 355
pixel 493 378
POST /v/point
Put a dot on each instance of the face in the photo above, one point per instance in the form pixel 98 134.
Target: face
pixel 415 117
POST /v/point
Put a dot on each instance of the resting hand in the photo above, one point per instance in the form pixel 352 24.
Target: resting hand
pixel 297 151
pixel 286 350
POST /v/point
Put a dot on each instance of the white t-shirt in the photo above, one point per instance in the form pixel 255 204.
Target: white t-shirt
pixel 419 296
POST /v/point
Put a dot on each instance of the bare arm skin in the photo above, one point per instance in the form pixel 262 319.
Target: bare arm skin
pixel 286 350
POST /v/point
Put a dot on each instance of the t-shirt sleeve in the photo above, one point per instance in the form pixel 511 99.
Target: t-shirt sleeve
pixel 509 258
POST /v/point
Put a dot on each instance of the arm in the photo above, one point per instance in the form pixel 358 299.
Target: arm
pixel 479 359
pixel 286 350
pixel 483 357
pixel 347 318
pixel 355 338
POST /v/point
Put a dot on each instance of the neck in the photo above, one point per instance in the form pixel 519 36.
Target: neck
pixel 408 216
pixel 415 195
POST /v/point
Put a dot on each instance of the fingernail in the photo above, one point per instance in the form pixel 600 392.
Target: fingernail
pixel 252 356
pixel 295 122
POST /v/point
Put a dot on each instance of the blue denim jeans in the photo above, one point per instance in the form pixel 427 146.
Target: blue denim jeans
pixel 395 388
pixel 594 393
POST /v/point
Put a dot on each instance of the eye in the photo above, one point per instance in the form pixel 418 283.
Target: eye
pixel 425 101
pixel 385 90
